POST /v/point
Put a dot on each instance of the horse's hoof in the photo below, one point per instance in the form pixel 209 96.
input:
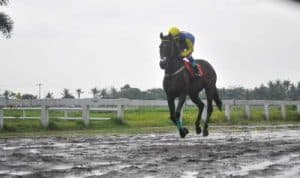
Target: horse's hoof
pixel 183 132
pixel 205 133
pixel 186 130
pixel 198 130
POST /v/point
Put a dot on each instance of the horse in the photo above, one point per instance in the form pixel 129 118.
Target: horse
pixel 178 83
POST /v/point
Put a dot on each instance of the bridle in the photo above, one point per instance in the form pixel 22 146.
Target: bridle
pixel 172 55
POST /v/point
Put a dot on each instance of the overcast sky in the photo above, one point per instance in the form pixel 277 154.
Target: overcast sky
pixel 102 43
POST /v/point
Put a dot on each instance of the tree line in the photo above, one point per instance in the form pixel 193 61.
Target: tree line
pixel 108 93
pixel 274 90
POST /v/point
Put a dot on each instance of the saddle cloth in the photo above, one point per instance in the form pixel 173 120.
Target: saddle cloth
pixel 190 69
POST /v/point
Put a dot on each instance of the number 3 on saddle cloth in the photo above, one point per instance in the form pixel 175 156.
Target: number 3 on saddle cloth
pixel 190 69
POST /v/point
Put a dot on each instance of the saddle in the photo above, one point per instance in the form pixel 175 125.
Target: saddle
pixel 190 69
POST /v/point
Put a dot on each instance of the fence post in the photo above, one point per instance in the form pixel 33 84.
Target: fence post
pixel 65 114
pixel 1 118
pixel 86 114
pixel 24 113
pixel 44 116
pixel 120 112
pixel 298 108
pixel 204 113
pixel 283 111
pixel 248 111
pixel 266 109
pixel 227 111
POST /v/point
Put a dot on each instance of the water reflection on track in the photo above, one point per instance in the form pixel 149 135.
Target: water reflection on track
pixel 226 152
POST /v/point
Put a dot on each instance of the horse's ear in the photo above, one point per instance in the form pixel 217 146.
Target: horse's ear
pixel 161 35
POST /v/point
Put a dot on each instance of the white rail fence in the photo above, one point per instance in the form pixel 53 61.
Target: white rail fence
pixel 119 105
pixel 66 111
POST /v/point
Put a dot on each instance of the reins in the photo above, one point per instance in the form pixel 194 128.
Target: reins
pixel 176 72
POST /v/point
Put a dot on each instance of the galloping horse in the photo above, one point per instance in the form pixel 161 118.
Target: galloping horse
pixel 178 83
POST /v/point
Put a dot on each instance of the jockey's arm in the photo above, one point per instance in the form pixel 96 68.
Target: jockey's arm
pixel 189 50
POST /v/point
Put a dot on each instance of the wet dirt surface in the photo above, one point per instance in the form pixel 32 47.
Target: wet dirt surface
pixel 225 153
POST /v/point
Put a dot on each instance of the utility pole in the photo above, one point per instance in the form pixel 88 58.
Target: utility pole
pixel 40 89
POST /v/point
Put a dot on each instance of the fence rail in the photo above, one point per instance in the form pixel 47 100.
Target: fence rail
pixel 119 105
pixel 66 111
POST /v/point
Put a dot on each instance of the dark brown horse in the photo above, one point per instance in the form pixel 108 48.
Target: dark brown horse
pixel 178 83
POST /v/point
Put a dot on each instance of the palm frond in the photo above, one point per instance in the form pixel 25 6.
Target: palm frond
pixel 3 2
pixel 6 24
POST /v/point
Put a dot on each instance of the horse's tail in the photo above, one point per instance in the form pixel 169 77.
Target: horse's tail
pixel 217 98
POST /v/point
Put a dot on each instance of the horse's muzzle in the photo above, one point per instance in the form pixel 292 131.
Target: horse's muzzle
pixel 163 63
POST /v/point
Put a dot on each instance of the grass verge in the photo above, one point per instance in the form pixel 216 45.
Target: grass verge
pixel 142 120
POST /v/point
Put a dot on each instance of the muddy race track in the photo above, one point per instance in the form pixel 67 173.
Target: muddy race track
pixel 225 153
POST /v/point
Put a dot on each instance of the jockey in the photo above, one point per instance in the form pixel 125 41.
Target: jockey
pixel 186 42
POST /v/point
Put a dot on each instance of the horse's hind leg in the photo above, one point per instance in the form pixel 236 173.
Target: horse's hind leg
pixel 209 96
pixel 195 98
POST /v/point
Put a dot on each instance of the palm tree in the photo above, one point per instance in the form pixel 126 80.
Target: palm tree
pixel 125 87
pixel 66 94
pixel 6 24
pixel 6 94
pixel 286 84
pixel 79 92
pixel 95 92
pixel 103 93
pixel 12 94
pixel 3 2
pixel 18 96
pixel 113 92
pixel 49 95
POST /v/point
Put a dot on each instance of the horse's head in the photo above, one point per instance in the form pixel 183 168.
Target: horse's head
pixel 168 50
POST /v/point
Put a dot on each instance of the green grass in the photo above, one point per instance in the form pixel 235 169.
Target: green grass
pixel 142 120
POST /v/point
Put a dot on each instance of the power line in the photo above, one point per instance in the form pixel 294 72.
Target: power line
pixel 40 89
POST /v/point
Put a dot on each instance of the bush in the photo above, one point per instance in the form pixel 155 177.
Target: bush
pixel 80 124
pixel 52 125
pixel 9 128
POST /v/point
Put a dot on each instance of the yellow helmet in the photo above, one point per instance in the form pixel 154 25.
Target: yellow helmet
pixel 174 31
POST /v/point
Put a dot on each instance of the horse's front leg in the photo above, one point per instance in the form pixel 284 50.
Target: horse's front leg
pixel 183 131
pixel 171 105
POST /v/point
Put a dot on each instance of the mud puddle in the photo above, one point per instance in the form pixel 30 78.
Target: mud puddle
pixel 225 153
